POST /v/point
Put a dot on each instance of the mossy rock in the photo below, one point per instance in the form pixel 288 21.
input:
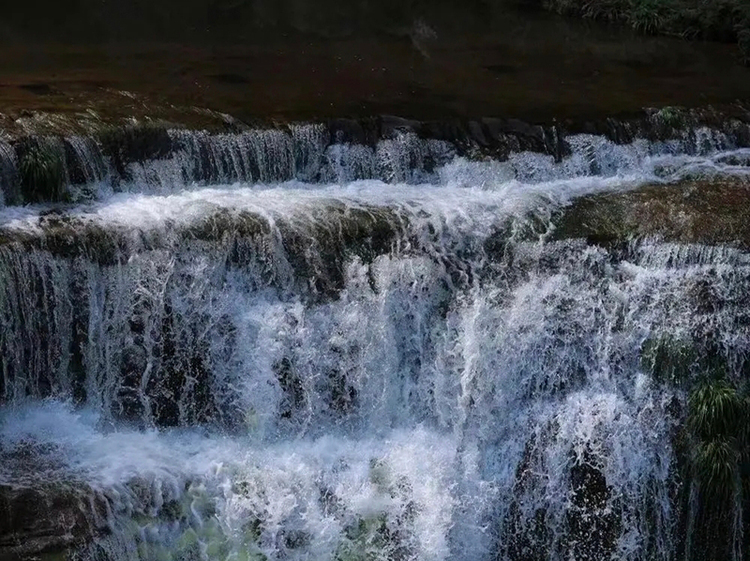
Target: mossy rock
pixel 49 518
pixel 717 465
pixel 718 432
pixel 672 117
pixel 702 211
pixel 319 250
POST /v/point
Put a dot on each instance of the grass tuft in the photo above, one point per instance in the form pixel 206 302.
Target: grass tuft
pixel 42 170
pixel 718 420
pixel 717 410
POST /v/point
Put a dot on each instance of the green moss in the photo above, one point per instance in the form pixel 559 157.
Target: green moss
pixel 672 117
pixel 716 462
pixel 717 422
pixel 42 170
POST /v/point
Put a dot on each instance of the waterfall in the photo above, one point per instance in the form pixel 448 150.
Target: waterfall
pixel 270 345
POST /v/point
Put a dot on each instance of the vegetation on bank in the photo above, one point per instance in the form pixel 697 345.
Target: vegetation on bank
pixel 718 20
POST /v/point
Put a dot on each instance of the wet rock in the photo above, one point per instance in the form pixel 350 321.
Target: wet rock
pixel 291 385
pixel 593 526
pixel 477 134
pixel 512 135
pixel 556 144
pixel 125 145
pixel 390 125
pixel 49 518
pixel 319 252
pixel 351 131
pixel 452 131
pixel 185 376
pixel 589 524
pixel 495 129
pixel 520 128
pixel 525 533
pixel 667 123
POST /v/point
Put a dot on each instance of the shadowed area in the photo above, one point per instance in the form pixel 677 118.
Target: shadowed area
pixel 312 60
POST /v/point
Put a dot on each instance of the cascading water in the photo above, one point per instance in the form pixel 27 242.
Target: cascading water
pixel 384 355
pixel 159 161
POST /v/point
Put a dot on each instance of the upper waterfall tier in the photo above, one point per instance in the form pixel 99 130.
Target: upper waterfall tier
pixel 153 159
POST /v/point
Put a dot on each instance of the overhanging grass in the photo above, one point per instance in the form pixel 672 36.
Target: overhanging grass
pixel 720 20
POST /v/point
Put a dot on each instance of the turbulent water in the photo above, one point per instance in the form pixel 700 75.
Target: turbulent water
pixel 358 353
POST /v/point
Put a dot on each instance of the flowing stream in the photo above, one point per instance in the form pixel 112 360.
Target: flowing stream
pixel 264 347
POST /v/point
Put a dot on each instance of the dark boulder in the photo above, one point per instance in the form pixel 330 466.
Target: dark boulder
pixel 53 517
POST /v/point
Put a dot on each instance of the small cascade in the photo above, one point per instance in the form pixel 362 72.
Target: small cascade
pixel 257 156
pixel 310 143
pixel 85 162
pixel 155 160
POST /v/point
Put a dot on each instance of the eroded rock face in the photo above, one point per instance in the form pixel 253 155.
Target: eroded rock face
pixel 586 529
pixel 42 514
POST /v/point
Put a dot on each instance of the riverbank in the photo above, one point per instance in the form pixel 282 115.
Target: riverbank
pixel 724 20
